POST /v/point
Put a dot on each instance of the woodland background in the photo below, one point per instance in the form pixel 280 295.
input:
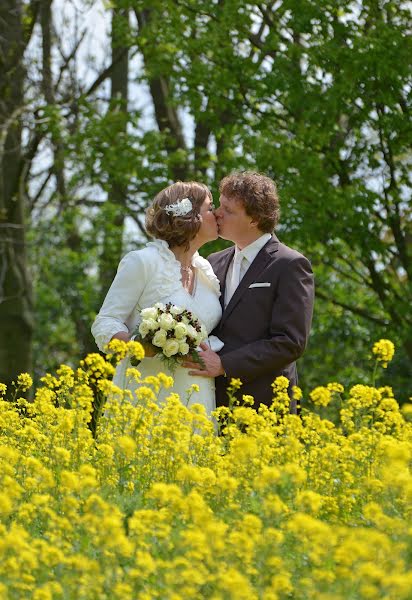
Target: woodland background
pixel 104 103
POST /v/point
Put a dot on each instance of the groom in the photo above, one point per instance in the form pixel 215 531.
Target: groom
pixel 267 293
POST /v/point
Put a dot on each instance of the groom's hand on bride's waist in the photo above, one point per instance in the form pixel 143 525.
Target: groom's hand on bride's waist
pixel 212 363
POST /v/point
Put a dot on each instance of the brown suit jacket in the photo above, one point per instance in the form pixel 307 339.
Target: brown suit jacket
pixel 264 329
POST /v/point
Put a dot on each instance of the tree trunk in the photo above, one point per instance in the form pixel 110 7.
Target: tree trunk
pixel 16 308
pixel 167 116
pixel 116 203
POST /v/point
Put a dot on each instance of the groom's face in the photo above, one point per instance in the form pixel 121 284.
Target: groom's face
pixel 232 221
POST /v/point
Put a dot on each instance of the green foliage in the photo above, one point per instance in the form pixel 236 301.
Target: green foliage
pixel 315 94
pixel 65 282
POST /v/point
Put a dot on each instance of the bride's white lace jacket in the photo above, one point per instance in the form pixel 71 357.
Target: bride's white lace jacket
pixel 143 278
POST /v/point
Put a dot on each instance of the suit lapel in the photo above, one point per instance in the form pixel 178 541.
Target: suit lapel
pixel 264 256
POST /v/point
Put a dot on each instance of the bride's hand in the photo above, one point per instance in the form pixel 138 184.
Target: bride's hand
pixel 121 335
pixel 149 351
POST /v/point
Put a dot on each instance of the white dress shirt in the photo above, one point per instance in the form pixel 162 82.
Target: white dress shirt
pixel 249 254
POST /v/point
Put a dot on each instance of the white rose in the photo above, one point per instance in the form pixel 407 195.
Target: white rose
pixel 151 324
pixel 200 338
pixel 160 306
pixel 166 321
pixel 176 310
pixel 171 347
pixel 191 332
pixel 183 348
pixel 159 338
pixel 149 313
pixel 143 329
pixel 180 331
pixel 201 335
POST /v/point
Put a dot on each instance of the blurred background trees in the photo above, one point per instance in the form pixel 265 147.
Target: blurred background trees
pixel 104 103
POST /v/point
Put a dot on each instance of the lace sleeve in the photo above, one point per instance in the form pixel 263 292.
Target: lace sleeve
pixel 122 297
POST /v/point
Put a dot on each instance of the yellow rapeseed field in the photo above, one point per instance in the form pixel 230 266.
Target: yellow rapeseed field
pixel 155 504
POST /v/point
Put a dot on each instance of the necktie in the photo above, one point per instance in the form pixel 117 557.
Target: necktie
pixel 235 277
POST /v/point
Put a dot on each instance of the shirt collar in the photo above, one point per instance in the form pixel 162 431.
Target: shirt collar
pixel 252 250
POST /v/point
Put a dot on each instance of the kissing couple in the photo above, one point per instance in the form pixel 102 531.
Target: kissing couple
pixel 254 299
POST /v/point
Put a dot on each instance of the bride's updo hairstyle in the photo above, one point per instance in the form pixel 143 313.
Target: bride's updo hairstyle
pixel 163 220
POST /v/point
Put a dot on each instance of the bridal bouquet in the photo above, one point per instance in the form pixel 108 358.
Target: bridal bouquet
pixel 173 331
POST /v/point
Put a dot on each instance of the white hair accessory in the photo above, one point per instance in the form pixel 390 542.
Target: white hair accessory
pixel 180 208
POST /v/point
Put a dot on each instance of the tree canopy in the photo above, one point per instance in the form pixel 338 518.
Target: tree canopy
pixel 313 93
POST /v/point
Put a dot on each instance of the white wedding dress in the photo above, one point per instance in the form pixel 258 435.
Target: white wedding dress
pixel 152 275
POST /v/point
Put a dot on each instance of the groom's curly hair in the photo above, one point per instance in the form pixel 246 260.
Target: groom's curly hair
pixel 257 193
pixel 177 230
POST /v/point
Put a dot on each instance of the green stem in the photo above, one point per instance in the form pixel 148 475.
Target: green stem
pixel 374 373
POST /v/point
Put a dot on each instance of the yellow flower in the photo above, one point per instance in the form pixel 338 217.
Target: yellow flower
pixel 165 380
pixel 130 486
pixel 273 506
pixel 276 506
pixel 70 481
pixel 3 389
pixel 248 400
pixel 153 381
pixel 42 593
pixel 235 384
pixel 234 584
pixel 127 445
pixel 321 396
pixel 309 501
pixel 280 384
pixel 118 348
pixel 24 381
pixel 273 537
pixel 226 483
pixel 145 394
pixel 202 477
pixel 297 393
pixel 267 477
pixel 384 351
pixel 6 505
pixel 282 583
pixel 133 373
pixel 335 387
pixel 135 350
pixel 407 411
pixel 122 590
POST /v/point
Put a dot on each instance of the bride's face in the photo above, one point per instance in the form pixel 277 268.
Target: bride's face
pixel 208 228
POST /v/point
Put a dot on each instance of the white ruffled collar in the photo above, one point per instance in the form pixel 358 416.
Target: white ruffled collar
pixel 205 269
pixel 198 262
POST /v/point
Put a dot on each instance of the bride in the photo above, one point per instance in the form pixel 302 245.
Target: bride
pixel 169 269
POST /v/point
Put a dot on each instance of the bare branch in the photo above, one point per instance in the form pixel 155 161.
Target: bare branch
pixel 360 280
pixel 69 58
pixel 106 73
pixel 138 223
pixel 353 309
pixel 5 127
pixel 382 290
pixel 30 19
pixel 41 189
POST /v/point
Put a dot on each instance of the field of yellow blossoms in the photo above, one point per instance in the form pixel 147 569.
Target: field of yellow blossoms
pixel 148 502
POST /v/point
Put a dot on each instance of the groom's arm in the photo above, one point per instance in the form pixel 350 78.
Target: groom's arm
pixel 212 364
